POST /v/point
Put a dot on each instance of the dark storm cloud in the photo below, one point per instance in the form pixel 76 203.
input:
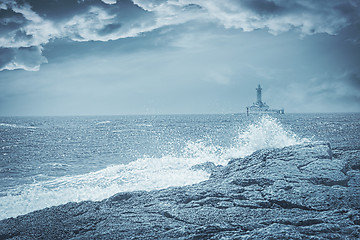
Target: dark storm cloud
pixel 10 20
pixel 28 58
pixel 6 55
pixel 11 24
pixel 306 16
pixel 33 23
pixel 110 28
pixel 264 7
pixel 57 10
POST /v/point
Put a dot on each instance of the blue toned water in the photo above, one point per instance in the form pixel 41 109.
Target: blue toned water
pixel 47 161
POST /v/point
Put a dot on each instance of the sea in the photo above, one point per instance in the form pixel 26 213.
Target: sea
pixel 48 161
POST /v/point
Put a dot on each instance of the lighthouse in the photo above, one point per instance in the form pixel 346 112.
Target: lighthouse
pixel 261 107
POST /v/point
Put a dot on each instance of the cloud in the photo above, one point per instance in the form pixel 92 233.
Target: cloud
pixel 109 1
pixel 27 58
pixel 278 16
pixel 33 23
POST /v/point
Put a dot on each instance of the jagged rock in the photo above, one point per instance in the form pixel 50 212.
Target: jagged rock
pixel 207 167
pixel 305 191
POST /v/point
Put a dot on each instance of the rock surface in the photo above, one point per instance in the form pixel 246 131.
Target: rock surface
pixel 305 191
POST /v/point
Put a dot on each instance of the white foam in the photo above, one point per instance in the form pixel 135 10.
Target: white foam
pixel 144 125
pixel 143 174
pixel 103 122
pixel 16 126
pixel 146 173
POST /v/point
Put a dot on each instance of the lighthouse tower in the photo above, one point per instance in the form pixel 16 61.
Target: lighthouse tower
pixel 258 91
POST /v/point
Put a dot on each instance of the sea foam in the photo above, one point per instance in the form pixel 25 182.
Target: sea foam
pixel 16 126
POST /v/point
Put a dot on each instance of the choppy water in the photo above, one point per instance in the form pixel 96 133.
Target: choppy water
pixel 47 161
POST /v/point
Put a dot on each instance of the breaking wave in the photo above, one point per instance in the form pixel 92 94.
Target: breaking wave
pixel 147 173
pixel 267 132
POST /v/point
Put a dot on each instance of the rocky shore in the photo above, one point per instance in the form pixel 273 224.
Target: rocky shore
pixel 307 191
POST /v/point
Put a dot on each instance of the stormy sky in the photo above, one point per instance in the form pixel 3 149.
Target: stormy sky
pixel 99 57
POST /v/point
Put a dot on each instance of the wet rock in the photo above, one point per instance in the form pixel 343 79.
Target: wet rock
pixel 207 167
pixel 305 191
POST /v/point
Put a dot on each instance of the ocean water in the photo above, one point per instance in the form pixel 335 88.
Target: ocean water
pixel 47 161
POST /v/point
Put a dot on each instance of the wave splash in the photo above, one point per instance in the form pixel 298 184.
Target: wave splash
pixel 146 173
pixel 267 132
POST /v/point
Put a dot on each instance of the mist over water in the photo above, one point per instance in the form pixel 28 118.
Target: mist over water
pixel 128 154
